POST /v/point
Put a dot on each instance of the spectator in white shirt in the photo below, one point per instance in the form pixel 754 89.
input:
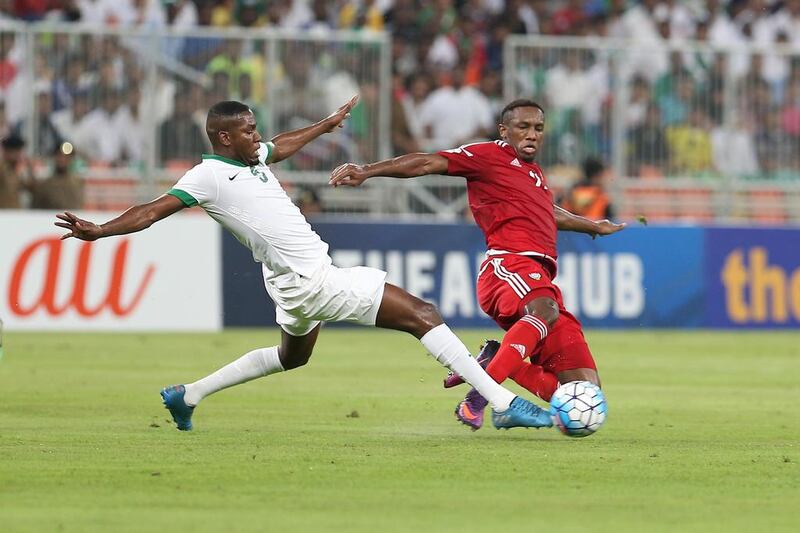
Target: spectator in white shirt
pixel 455 114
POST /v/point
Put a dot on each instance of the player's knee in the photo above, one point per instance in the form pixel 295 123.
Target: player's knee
pixel 290 361
pixel 426 317
pixel 544 308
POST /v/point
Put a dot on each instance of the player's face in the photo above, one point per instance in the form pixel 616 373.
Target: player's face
pixel 524 131
pixel 245 139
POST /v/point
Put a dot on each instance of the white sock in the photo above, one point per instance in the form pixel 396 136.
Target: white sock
pixel 451 352
pixel 252 365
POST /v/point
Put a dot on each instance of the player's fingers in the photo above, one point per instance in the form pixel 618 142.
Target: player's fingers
pixel 67 236
pixel 65 225
pixel 62 216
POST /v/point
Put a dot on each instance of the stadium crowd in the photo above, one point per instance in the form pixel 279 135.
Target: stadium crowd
pixel 688 113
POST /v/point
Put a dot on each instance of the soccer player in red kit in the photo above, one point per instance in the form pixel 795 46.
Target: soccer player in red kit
pixel 513 206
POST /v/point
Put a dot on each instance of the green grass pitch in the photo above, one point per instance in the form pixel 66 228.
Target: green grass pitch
pixel 703 434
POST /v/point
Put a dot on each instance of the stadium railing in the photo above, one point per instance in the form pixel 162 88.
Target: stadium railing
pixel 691 132
pixel 133 101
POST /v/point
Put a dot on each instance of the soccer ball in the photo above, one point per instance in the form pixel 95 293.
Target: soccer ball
pixel 578 408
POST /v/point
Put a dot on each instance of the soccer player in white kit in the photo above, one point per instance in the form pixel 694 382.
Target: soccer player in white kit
pixel 236 187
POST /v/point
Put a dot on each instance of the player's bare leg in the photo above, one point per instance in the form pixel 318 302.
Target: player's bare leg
pixel 579 374
pixel 293 352
pixel 402 311
pixel 518 344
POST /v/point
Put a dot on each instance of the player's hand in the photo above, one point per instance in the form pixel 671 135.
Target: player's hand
pixel 78 228
pixel 336 119
pixel 606 227
pixel 348 174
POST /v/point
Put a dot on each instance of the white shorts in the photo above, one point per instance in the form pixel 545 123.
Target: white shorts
pixel 332 294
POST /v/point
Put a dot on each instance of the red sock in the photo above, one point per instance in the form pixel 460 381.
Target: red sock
pixel 537 380
pixel 518 344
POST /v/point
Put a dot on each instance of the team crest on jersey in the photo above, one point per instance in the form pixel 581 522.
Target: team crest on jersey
pixel 516 163
pixel 257 173
pixel 535 276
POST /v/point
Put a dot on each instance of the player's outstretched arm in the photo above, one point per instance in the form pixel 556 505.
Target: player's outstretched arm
pixel 289 142
pixel 135 219
pixel 567 221
pixel 404 166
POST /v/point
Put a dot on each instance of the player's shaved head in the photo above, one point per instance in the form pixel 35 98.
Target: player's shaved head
pixel 508 110
pixel 222 116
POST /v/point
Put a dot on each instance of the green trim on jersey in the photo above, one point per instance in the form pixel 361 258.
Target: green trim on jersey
pixel 225 160
pixel 270 150
pixel 187 199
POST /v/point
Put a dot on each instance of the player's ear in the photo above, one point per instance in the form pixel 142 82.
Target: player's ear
pixel 503 130
pixel 224 138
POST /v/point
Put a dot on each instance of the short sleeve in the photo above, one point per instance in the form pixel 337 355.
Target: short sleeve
pixel 265 152
pixel 469 160
pixel 196 187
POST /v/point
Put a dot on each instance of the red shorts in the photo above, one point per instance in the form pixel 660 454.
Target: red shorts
pixel 507 283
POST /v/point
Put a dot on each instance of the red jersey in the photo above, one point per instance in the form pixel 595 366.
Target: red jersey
pixel 509 198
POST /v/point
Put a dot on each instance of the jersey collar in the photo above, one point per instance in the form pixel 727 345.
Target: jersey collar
pixel 224 160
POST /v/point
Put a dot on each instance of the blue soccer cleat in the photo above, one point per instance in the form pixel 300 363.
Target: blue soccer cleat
pixel 522 414
pixel 181 413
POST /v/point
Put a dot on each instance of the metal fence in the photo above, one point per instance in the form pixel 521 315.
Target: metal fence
pixel 691 131
pixel 133 102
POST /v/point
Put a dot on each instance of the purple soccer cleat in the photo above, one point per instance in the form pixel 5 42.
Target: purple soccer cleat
pixel 488 350
pixel 470 410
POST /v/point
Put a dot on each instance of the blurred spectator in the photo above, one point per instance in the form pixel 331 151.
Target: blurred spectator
pixel 180 136
pixel 776 151
pixel 589 197
pixel 403 140
pixel 790 114
pixel 402 21
pixel 419 87
pixel 690 145
pixel 321 22
pixel 569 19
pixel 362 14
pixel 734 149
pixel 571 87
pixel 726 31
pixel 222 12
pixel 639 24
pixel 636 110
pixel 676 104
pixel 180 15
pixel 250 13
pixel 455 103
pixel 307 200
pixel 99 139
pixel 129 122
pixel 63 189
pixel 649 149
pixel 15 172
pixel 47 135
pixel 5 128
pixel 197 50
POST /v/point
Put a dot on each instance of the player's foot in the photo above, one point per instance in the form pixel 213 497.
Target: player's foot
pixel 470 410
pixel 173 400
pixel 522 414
pixel 488 350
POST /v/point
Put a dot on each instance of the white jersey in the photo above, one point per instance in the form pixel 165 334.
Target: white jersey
pixel 250 203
